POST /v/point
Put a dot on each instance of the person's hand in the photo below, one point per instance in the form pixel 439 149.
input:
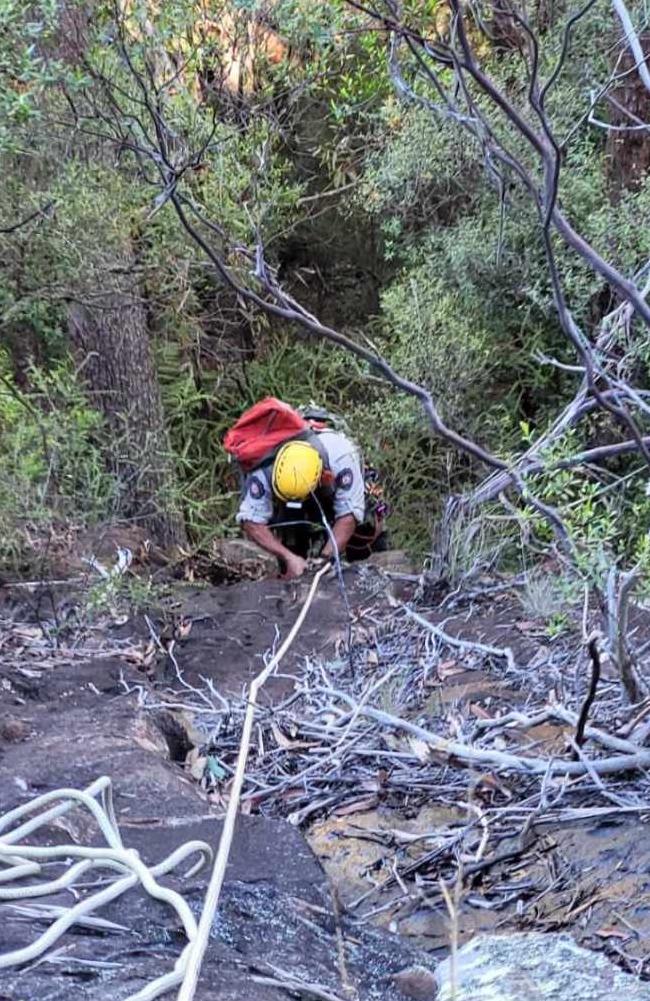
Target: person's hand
pixel 295 566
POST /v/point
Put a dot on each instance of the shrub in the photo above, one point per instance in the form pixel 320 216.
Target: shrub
pixel 52 453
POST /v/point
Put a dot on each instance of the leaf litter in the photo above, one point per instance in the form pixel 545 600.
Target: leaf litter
pixel 392 813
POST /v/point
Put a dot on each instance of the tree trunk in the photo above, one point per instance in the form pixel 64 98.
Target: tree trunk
pixel 629 152
pixel 112 344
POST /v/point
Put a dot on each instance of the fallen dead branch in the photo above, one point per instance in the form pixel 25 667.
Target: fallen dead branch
pixel 501 760
pixel 286 981
pixel 504 653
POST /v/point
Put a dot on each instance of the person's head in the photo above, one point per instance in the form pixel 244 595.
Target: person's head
pixel 296 471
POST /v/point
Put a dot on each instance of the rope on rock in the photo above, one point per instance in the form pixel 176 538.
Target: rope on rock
pixel 21 860
pixel 18 860
pixel 198 946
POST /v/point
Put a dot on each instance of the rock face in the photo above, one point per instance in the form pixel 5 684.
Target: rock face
pixel 535 967
pixel 244 559
pixel 276 921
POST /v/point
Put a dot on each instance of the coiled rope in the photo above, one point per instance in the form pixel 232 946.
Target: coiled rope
pixel 19 860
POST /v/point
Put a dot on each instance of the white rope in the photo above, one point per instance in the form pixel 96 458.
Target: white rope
pixel 196 950
pixel 25 860
pixel 22 860
pixel 100 786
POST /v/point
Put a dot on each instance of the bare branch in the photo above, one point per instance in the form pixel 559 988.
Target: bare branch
pixel 594 654
pixel 632 40
pixel 40 213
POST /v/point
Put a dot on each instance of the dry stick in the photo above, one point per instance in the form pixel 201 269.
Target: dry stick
pixel 617 612
pixel 495 651
pixel 579 755
pixel 348 989
pixel 198 947
pixel 453 909
pixel 292 984
pixel 591 695
pixel 501 759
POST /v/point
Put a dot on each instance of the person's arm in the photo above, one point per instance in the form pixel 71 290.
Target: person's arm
pixel 343 529
pixel 263 536
pixel 349 494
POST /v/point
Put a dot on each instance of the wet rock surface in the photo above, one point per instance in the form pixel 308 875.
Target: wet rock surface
pixel 270 927
pixel 276 915
pixel 534 967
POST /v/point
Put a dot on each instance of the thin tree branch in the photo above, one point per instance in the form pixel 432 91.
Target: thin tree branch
pixel 42 212
pixel 594 654
pixel 633 42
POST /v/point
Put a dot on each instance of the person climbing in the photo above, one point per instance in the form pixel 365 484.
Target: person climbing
pixel 305 492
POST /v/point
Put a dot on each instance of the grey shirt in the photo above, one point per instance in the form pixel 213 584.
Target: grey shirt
pixel 345 464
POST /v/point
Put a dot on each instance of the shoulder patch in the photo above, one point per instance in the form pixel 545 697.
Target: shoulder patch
pixel 345 479
pixel 256 488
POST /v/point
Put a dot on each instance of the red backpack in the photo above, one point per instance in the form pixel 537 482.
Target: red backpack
pixel 260 430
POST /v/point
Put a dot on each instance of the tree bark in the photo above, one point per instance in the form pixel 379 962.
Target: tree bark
pixel 629 152
pixel 112 344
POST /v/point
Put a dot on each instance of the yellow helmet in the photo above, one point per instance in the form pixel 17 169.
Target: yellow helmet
pixel 296 471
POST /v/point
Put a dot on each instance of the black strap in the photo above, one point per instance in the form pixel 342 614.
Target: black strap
pixel 309 435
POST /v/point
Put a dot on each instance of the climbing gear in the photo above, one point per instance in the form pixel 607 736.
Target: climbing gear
pixel 370 536
pixel 255 438
pixel 297 471
pixel 375 499
pixel 260 430
pixel 196 950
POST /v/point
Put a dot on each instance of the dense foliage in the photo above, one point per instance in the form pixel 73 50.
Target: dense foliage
pixel 378 214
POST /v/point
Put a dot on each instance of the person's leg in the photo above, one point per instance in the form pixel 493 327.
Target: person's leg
pixel 371 537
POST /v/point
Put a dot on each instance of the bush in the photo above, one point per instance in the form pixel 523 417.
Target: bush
pixel 52 453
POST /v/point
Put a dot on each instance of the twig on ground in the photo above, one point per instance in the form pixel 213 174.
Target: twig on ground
pixel 504 653
pixel 591 694
pixel 294 985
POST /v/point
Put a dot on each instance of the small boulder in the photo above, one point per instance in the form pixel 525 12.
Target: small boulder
pixel 13 730
pixel 534 967
pixel 416 982
pixel 244 559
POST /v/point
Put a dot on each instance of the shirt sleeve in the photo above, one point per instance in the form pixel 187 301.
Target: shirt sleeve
pixel 256 503
pixel 349 490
